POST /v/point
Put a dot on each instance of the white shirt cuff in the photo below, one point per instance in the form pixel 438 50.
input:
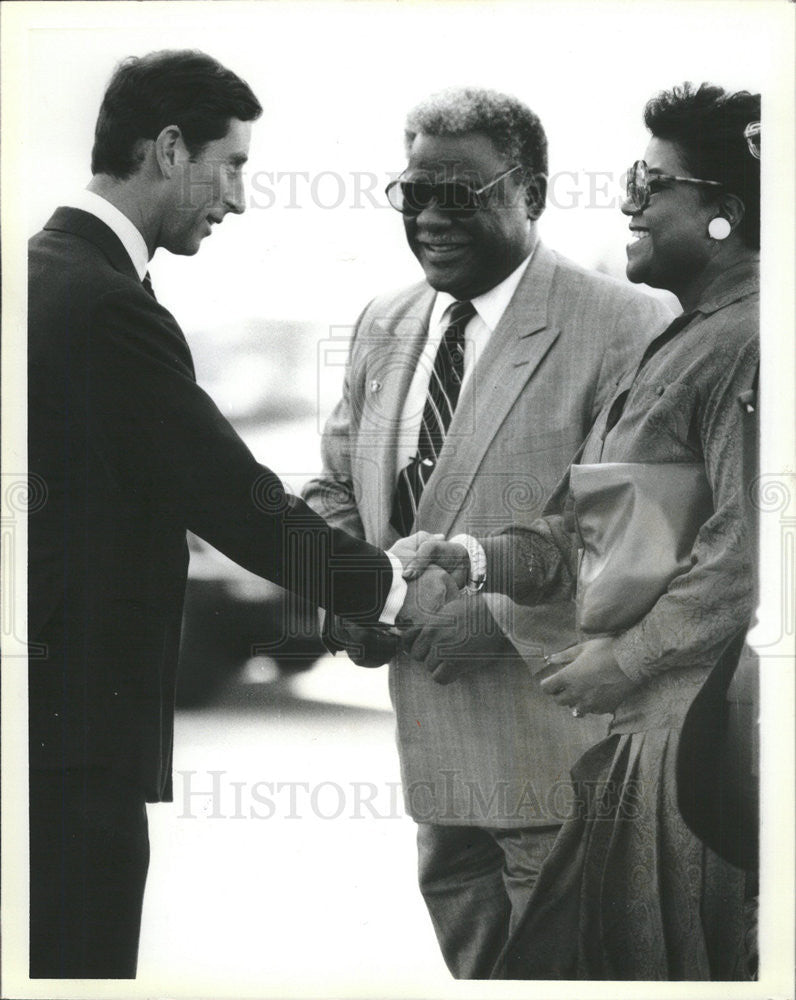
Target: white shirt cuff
pixel 395 599
pixel 397 595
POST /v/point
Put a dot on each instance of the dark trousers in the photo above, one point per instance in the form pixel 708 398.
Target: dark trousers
pixel 476 883
pixel 89 855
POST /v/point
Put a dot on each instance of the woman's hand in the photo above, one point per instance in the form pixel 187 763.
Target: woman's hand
pixel 590 679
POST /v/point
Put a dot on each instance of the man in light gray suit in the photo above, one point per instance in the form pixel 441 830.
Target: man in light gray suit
pixel 465 398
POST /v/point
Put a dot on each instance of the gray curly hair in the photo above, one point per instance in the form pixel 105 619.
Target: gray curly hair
pixel 511 125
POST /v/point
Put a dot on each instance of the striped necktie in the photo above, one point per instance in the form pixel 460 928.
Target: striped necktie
pixel 443 394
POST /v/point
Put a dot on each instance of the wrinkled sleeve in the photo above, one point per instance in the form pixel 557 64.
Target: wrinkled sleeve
pixel 534 564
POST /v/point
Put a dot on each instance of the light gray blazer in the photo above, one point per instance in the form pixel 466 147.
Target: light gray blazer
pixel 489 749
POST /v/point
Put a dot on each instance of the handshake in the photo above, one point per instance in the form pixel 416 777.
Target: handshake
pixel 447 631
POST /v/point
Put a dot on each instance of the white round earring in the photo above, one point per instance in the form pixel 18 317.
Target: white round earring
pixel 719 228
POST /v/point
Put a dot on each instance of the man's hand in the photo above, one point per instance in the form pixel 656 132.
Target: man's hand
pixel 590 680
pixel 435 551
pixel 426 595
pixel 366 646
pixel 467 639
pixel 405 549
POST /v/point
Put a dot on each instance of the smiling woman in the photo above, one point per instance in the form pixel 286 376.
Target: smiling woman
pixel 694 201
pixel 629 892
pixel 669 249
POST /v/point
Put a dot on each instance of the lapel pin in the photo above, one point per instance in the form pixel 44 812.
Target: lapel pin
pixel 375 385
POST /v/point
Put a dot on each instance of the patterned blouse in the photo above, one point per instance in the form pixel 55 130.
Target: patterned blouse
pixel 685 402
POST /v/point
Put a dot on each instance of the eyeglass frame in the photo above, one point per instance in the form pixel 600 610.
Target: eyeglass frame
pixel 476 192
pixel 640 206
pixel 751 133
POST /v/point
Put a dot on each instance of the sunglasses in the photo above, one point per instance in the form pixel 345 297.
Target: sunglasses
pixel 640 185
pixel 456 199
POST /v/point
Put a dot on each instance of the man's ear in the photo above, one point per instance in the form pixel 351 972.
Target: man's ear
pixel 535 195
pixel 732 209
pixel 167 147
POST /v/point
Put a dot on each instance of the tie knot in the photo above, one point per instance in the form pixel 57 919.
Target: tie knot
pixel 460 313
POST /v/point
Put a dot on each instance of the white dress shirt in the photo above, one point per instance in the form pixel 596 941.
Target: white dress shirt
pixel 131 239
pixel 489 311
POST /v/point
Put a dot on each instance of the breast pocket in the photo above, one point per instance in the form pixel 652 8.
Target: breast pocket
pixel 669 421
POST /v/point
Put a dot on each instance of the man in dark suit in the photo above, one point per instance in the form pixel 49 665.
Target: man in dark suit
pixel 541 343
pixel 132 453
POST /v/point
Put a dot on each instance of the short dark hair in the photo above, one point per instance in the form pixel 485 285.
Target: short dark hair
pixel 707 124
pixel 514 129
pixel 174 87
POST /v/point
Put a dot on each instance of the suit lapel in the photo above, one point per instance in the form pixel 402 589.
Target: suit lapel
pixel 513 353
pixel 79 223
pixel 399 340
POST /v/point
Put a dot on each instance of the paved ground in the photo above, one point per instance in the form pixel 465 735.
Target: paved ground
pixel 285 865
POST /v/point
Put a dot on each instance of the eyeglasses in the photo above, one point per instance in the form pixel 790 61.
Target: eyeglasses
pixel 640 185
pixel 455 198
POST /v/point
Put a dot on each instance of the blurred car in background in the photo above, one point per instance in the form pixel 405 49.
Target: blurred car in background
pixel 263 377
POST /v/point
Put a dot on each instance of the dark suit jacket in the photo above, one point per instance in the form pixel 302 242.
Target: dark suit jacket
pixel 129 452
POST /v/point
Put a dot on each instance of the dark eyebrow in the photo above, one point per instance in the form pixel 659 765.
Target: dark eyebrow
pixel 238 159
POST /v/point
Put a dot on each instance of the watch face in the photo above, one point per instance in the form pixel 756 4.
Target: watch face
pixel 475 584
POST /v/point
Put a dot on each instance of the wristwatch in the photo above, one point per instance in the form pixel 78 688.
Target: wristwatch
pixel 477 575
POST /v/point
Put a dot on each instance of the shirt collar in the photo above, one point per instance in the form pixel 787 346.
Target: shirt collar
pixel 736 282
pixel 129 236
pixel 492 304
